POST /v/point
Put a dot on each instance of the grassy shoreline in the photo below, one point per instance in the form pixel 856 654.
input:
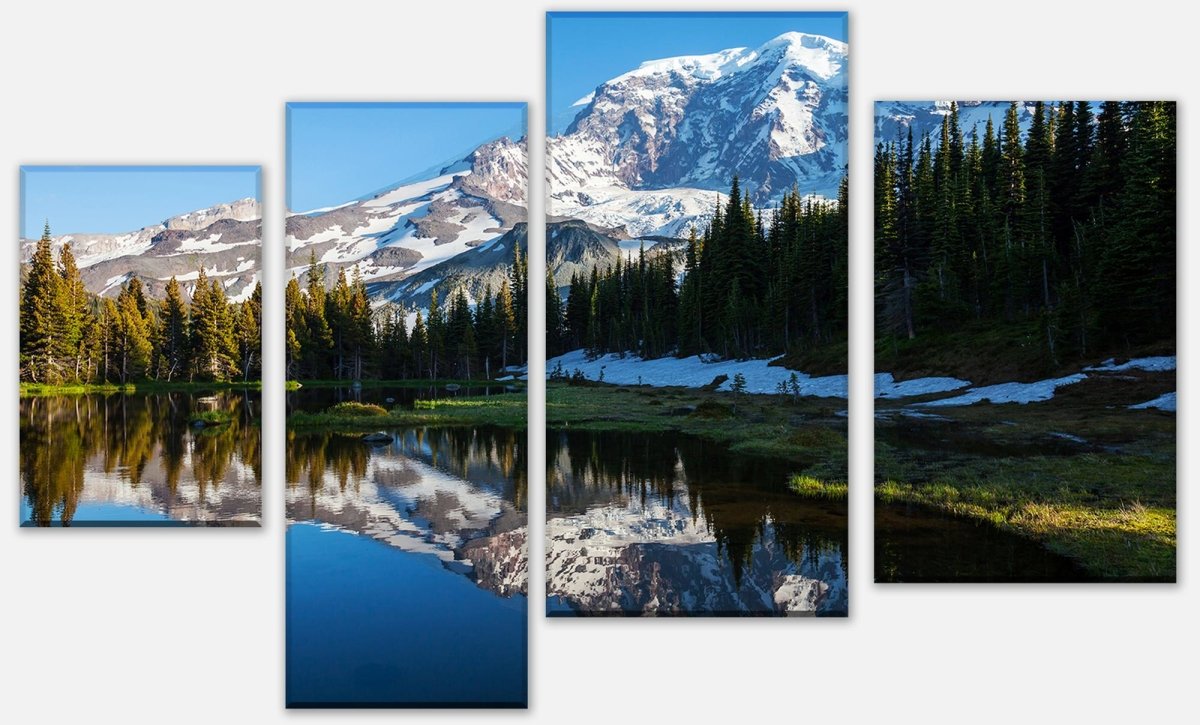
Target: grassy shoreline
pixel 508 410
pixel 806 433
pixel 409 383
pixel 38 389
pixel 1080 474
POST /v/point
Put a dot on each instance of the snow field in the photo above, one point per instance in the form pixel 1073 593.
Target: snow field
pixel 695 372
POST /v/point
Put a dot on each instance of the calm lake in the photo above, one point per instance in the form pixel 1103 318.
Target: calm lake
pixel 917 544
pixel 668 524
pixel 406 567
pixel 133 460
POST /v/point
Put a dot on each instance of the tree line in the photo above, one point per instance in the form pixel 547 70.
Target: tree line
pixel 750 287
pixel 71 336
pixel 334 333
pixel 1069 228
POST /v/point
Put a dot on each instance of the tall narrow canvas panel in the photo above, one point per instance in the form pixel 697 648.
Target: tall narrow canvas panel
pixel 140 352
pixel 1025 341
pixel 696 314
pixel 405 453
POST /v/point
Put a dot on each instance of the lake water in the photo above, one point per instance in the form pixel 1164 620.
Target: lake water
pixel 915 543
pixel 667 524
pixel 406 568
pixel 918 544
pixel 133 460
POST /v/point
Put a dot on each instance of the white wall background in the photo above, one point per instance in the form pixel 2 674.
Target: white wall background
pixel 142 626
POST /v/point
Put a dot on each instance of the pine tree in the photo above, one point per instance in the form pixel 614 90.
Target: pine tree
pixel 214 350
pixel 76 316
pixel 132 341
pixel 296 321
pixel 175 357
pixel 41 323
pixel 506 317
pixel 248 336
pixel 556 328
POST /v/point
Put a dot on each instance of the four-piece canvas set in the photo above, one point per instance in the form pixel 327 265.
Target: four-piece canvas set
pixel 696 285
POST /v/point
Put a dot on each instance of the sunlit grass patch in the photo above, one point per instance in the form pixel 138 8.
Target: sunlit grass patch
pixel 811 487
pixel 352 409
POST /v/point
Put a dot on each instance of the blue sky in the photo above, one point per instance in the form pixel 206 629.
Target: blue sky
pixel 107 199
pixel 341 151
pixel 585 49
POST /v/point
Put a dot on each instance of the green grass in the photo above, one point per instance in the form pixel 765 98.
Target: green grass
pixel 36 389
pixel 351 409
pixel 1108 503
pixel 810 487
pixel 506 410
pixel 805 433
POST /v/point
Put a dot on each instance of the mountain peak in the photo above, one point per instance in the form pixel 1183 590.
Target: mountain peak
pixel 795 38
pixel 242 210
pixel 818 54
pixel 651 142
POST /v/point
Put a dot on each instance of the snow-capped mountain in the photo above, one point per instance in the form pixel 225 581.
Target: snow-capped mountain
pixel 476 270
pixel 225 239
pixel 893 118
pixel 648 149
pixel 416 227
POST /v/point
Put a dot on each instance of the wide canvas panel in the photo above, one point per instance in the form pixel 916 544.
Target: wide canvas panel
pixel 406 430
pixel 1025 341
pixel 696 314
pixel 140 351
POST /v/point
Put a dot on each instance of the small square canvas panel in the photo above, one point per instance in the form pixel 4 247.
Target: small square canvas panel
pixel 406 455
pixel 1025 341
pixel 696 314
pixel 140 352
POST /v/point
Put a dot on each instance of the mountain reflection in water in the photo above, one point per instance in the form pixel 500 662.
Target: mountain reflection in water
pixel 407 569
pixel 457 494
pixel 667 524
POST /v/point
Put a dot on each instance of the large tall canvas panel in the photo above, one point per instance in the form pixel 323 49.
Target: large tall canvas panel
pixel 696 314
pixel 1025 341
pixel 406 454
pixel 140 351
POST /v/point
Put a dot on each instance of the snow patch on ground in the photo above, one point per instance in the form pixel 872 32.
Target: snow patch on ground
pixel 1166 401
pixel 887 387
pixel 695 372
pixel 1009 392
pixel 1161 363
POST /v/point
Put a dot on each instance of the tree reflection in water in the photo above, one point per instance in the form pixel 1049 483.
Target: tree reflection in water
pixel 139 450
pixel 629 515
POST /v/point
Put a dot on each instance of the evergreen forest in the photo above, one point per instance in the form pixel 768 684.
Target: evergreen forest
pixel 334 333
pixel 1054 246
pixel 752 285
pixel 70 336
